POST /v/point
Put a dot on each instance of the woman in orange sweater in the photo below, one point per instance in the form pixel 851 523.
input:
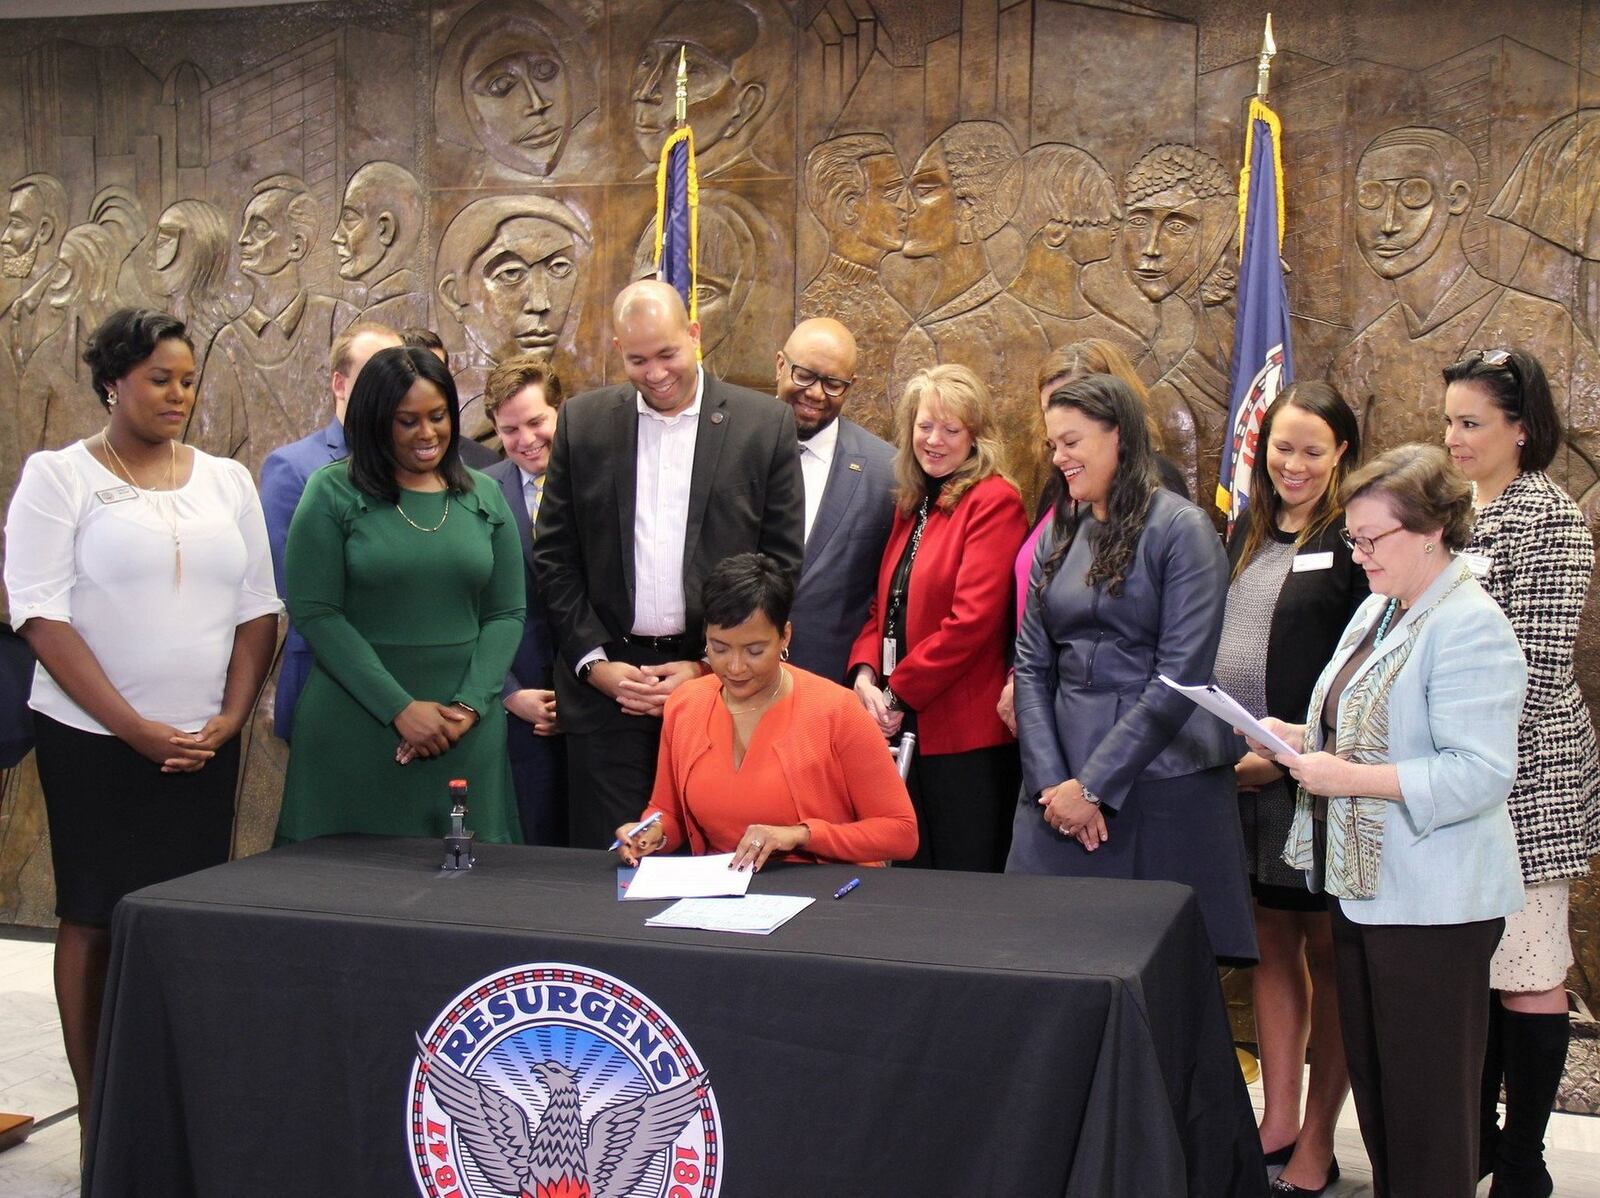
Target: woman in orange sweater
pixel 760 758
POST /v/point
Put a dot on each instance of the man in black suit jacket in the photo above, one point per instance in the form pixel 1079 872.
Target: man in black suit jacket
pixel 849 496
pixel 522 398
pixel 650 485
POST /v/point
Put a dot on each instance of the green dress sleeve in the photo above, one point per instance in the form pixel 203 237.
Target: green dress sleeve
pixel 314 566
pixel 502 607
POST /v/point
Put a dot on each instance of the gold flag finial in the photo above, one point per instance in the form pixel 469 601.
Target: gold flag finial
pixel 1264 62
pixel 682 111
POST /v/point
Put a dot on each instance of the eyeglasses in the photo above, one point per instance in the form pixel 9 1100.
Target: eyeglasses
pixel 1494 359
pixel 831 387
pixel 1367 544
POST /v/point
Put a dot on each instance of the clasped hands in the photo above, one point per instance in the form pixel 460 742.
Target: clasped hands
pixel 1069 813
pixel 180 752
pixel 429 729
pixel 642 690
pixel 758 843
pixel 877 704
pixel 1320 773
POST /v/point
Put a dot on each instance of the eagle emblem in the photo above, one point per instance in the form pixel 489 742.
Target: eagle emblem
pixel 555 1081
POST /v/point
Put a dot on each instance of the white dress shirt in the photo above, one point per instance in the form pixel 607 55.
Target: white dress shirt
pixel 816 460
pixel 532 493
pixel 661 515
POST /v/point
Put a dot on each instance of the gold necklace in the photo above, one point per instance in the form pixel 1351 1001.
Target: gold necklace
pixel 759 702
pixel 172 503
pixel 419 527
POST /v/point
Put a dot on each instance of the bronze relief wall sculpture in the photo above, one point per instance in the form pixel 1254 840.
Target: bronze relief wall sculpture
pixel 956 180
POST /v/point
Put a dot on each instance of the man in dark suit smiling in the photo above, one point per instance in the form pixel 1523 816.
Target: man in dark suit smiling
pixel 650 485
pixel 849 494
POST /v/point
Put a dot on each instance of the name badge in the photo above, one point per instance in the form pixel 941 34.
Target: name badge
pixel 1478 563
pixel 1313 561
pixel 891 656
pixel 116 494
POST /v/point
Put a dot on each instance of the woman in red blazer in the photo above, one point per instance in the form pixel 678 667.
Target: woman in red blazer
pixel 761 759
pixel 932 656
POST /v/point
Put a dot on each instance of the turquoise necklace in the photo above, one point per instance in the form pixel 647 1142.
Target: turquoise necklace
pixel 1388 618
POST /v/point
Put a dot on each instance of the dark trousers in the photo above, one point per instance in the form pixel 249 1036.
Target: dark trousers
pixel 964 804
pixel 1414 1005
pixel 611 756
pixel 539 774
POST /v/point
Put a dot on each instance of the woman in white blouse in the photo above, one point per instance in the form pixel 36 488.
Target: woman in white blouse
pixel 138 571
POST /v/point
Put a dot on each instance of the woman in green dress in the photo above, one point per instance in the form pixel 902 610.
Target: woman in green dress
pixel 405 576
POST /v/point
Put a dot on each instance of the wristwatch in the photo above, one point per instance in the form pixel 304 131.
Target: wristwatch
pixel 1089 796
pixel 891 700
pixel 587 668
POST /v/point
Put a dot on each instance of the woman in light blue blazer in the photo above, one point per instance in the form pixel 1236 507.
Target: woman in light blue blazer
pixel 1407 759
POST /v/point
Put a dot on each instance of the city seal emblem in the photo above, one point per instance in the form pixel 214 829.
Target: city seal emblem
pixel 557 1081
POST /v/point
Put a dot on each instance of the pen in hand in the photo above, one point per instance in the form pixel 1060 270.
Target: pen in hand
pixel 643 824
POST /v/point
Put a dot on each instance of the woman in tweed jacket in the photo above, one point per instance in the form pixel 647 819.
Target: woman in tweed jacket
pixel 1533 554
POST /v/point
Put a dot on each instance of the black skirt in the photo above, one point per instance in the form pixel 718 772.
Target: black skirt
pixel 117 823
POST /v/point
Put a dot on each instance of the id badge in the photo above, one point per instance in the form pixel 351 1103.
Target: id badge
pixel 890 657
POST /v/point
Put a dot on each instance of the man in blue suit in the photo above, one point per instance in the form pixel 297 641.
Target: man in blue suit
pixel 283 480
pixel 849 490
pixel 521 399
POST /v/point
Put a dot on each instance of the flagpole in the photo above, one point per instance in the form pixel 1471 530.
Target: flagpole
pixel 1264 60
pixel 681 109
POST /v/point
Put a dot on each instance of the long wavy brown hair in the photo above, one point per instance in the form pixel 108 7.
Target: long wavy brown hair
pixel 1111 403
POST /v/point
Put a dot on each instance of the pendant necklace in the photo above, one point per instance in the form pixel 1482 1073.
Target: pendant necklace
pixel 172 502
pixel 758 703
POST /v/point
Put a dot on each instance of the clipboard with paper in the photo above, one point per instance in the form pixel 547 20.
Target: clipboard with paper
pixel 1227 709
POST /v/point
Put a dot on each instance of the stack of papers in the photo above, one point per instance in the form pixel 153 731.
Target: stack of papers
pixel 1231 712
pixel 753 915
pixel 687 877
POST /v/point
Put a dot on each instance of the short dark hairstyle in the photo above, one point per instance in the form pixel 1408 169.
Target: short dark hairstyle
pixel 1424 489
pixel 1516 382
pixel 124 339
pixel 369 420
pixel 741 585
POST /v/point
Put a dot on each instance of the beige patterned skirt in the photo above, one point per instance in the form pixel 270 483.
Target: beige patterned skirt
pixel 1536 950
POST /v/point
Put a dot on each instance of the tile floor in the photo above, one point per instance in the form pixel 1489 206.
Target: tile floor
pixel 34 1080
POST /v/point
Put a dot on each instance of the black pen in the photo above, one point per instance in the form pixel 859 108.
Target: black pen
pixel 846 888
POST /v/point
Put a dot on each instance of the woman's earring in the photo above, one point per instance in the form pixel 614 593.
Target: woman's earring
pixel 783 654
pixel 1520 442
pixel 1427 548
pixel 111 399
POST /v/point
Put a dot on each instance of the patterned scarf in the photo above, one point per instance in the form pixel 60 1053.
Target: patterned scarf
pixel 1355 823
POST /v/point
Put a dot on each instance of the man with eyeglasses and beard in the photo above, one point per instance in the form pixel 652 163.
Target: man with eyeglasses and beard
pixel 849 492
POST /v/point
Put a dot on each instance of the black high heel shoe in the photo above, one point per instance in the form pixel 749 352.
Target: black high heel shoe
pixel 1285 1189
pixel 1279 1156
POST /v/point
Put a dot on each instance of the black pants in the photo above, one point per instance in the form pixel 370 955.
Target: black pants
pixel 1414 1004
pixel 964 804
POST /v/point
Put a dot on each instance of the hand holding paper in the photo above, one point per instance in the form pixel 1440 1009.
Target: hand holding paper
pixel 1227 709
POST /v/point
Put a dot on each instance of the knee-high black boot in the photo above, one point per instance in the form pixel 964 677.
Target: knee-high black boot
pixel 1493 1072
pixel 1535 1048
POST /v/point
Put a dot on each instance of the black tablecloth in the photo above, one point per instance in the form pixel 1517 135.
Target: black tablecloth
pixel 930 1034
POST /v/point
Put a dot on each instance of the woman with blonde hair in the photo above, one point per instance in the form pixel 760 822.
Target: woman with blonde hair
pixel 932 655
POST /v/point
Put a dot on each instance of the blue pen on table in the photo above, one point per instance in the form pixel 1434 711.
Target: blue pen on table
pixel 846 888
pixel 654 819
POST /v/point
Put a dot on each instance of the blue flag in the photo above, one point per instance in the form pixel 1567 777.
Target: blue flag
pixel 677 205
pixel 1262 363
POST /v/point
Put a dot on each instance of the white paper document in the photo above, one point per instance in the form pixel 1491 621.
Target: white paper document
pixel 687 877
pixel 753 914
pixel 1226 708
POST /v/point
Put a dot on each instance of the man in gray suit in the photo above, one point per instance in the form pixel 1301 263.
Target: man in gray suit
pixel 849 488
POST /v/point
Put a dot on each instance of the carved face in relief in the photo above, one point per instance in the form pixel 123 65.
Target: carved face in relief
pixel 268 242
pixel 170 230
pixel 1162 243
pixel 518 98
pixel 727 65
pixel 882 210
pixel 363 232
pixel 933 223
pixel 1404 203
pixel 519 290
pixel 26 228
